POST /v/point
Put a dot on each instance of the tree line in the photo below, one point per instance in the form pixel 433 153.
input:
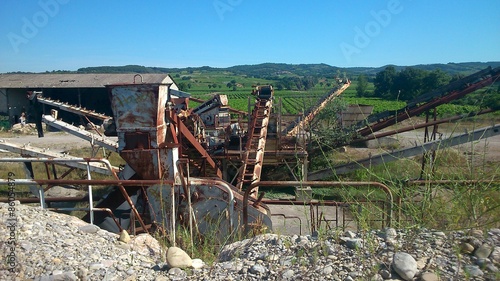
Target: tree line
pixel 405 84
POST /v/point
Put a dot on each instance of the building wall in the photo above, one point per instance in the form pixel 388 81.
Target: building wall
pixel 3 101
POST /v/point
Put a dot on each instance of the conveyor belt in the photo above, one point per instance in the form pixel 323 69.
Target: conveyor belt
pixel 256 143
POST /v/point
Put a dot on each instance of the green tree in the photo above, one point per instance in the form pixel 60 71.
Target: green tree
pixel 362 86
pixel 408 84
pixel 182 86
pixel 435 79
pixel 492 99
pixel 384 82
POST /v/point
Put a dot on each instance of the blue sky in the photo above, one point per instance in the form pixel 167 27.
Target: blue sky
pixel 43 35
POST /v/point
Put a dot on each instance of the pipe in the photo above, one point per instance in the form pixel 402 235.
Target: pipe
pixel 94 182
pixel 424 182
pixel 91 202
pixel 48 199
pixel 290 217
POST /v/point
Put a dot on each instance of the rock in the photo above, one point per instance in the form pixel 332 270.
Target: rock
pixel 466 248
pixel 124 237
pixel 60 191
pixel 176 257
pixel 429 276
pixel 473 270
pixel 404 265
pixel 327 270
pixel 350 234
pixel 422 262
pixel 96 266
pixel 389 234
pixel 197 264
pixel 495 254
pixel 257 269
pixel 477 233
pixel 177 273
pixel 273 257
pixel 385 273
pixel 90 228
pixel 354 243
pixel 475 242
pixel 483 251
pixel 491 268
pixel 288 274
pixel 52 245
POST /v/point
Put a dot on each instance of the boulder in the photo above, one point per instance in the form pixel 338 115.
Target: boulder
pixel 176 257
pixel 404 265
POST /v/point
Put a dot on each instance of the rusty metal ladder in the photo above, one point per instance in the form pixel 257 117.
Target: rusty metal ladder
pixel 256 143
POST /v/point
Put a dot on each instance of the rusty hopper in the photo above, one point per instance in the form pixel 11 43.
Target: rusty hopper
pixel 139 114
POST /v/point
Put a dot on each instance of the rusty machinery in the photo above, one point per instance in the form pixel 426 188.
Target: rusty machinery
pixel 193 166
pixel 162 142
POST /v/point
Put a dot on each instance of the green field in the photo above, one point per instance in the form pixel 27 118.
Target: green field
pixel 204 85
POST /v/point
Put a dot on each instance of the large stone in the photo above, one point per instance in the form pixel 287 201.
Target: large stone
pixel 473 270
pixel 495 254
pixel 404 265
pixel 483 251
pixel 176 257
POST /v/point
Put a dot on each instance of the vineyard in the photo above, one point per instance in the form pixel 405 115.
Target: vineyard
pixel 238 90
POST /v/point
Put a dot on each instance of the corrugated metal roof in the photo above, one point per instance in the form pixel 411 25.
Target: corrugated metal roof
pixel 77 80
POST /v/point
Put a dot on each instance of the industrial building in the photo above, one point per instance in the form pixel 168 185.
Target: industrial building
pixel 83 90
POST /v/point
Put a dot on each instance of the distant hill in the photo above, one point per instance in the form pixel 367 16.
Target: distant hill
pixel 275 70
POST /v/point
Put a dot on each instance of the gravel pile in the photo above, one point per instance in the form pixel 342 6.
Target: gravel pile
pixel 41 245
